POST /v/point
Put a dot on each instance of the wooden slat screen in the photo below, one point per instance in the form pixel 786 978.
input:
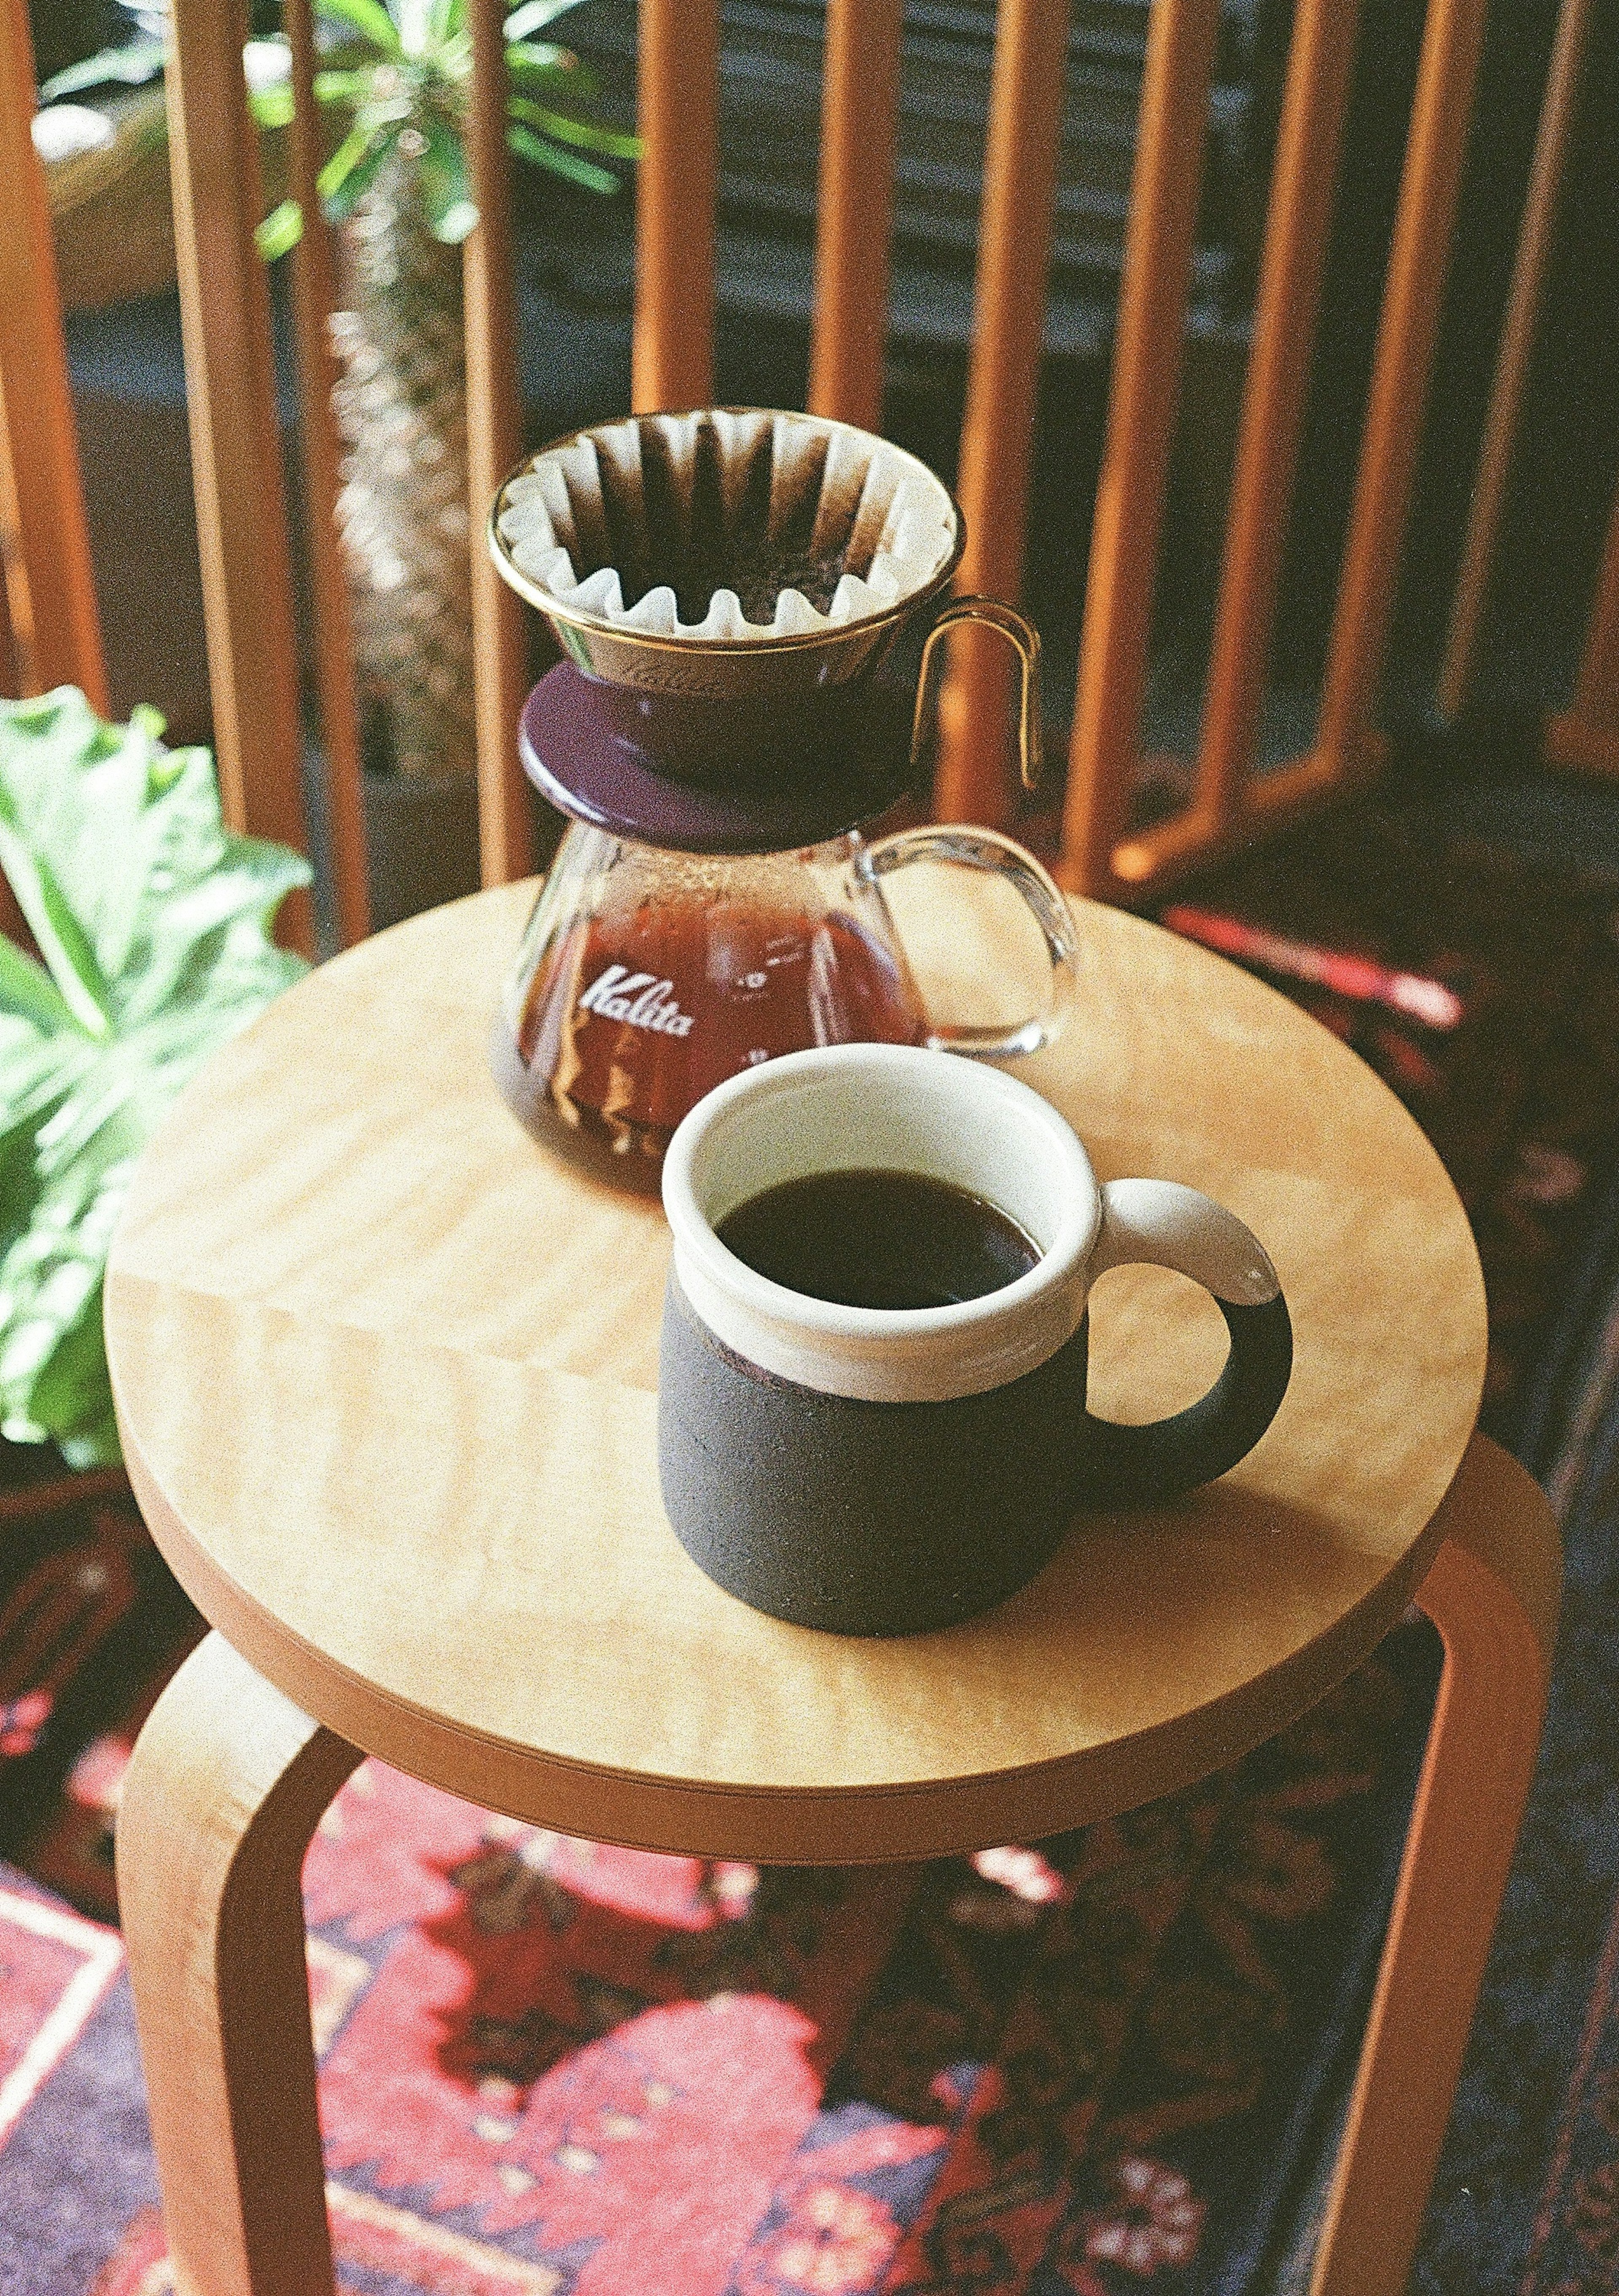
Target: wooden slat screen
pixel 1308 139
pixel 52 627
pixel 1586 733
pixel 1140 421
pixel 1229 802
pixel 235 445
pixel 237 463
pixel 1512 362
pixel 859 111
pixel 972 779
pixel 1345 744
pixel 313 298
pixel 494 427
pixel 678 107
pixel 241 496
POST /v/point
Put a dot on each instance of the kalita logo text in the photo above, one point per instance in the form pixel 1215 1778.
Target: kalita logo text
pixel 637 998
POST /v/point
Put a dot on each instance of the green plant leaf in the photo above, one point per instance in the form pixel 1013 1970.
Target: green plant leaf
pixel 368 17
pixel 414 20
pixel 281 229
pixel 55 928
pixel 29 994
pixel 537 64
pixel 526 145
pixel 581 133
pixel 534 15
pixel 354 148
pixel 361 176
pixel 341 86
pixel 130 66
pixel 272 107
pixel 168 915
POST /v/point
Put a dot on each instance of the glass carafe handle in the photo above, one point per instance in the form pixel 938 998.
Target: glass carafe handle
pixel 997 856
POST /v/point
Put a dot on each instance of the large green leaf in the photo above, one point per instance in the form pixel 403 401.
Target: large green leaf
pixel 154 922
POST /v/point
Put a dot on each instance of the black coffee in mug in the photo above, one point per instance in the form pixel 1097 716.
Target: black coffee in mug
pixel 879 1240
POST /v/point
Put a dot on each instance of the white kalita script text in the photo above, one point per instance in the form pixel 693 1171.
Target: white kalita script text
pixel 638 999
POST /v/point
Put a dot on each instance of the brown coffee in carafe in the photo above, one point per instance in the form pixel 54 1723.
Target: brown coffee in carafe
pixel 633 1016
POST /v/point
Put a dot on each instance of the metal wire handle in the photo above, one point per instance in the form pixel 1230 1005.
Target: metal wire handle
pixel 1026 639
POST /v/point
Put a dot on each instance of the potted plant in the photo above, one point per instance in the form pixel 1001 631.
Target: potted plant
pixel 152 923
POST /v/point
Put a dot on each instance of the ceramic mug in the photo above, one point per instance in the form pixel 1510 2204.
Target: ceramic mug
pixel 879 1471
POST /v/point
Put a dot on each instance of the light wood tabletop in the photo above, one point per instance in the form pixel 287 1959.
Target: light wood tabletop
pixel 386 1373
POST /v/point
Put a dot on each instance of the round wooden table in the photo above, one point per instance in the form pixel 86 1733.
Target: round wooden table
pixel 386 1376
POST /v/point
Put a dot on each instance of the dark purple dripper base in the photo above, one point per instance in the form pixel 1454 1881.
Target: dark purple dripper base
pixel 693 774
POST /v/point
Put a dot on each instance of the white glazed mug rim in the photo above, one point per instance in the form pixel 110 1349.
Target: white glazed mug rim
pixel 863 1107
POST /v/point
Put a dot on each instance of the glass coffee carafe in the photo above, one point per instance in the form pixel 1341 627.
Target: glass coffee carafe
pixel 729 588
pixel 647 977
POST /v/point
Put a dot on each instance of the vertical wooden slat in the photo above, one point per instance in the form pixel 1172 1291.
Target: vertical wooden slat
pixel 859 111
pixel 44 543
pixel 1517 343
pixel 1297 224
pixel 1140 427
pixel 236 445
pixel 1587 734
pixel 494 441
pixel 1407 331
pixel 312 297
pixel 678 107
pixel 972 780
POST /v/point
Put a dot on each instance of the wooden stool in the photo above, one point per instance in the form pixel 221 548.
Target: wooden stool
pixel 386 1374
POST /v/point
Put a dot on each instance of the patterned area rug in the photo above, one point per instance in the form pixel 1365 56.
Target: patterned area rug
pixel 550 2067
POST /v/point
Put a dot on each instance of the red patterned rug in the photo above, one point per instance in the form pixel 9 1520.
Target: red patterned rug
pixel 550 2067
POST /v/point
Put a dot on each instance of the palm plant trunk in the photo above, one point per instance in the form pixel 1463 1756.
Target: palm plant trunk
pixel 401 411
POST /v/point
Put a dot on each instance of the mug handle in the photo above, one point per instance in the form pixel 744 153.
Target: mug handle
pixel 1170 1225
pixel 996 857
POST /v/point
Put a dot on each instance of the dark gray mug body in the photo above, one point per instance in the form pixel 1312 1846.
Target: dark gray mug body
pixel 862 1518
pixel 893 1518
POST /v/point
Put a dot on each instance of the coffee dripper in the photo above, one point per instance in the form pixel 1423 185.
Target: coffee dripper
pixel 727 587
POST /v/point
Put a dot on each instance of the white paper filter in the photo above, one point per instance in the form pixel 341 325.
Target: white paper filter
pixel 728 524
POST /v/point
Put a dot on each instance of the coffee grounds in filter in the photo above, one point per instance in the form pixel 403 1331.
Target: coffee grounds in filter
pixel 730 525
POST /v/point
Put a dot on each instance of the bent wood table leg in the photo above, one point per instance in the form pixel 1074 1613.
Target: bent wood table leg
pixel 1492 1594
pixel 227 1782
